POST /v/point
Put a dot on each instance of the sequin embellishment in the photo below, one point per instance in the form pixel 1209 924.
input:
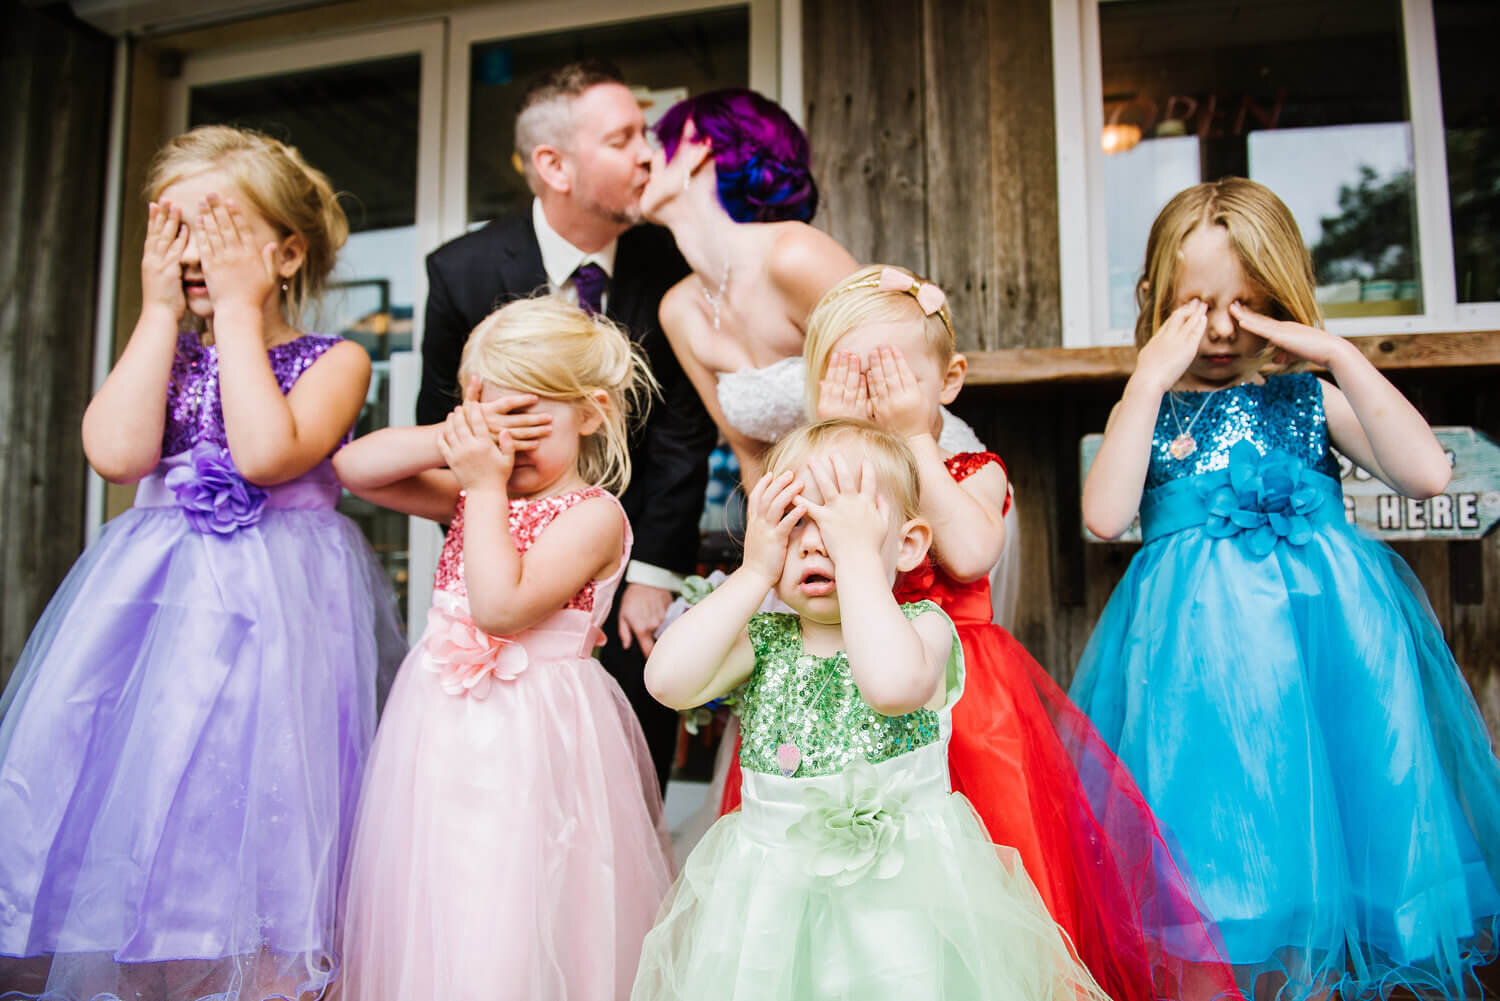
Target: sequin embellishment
pixel 812 703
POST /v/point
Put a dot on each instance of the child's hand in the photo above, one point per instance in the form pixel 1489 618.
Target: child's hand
pixel 1173 347
pixel 773 508
pixel 478 461
pixel 843 391
pixel 526 430
pixel 237 272
pixel 895 398
pixel 1295 340
pixel 852 517
pixel 161 261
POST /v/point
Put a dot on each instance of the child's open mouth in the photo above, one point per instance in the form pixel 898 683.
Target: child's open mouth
pixel 815 585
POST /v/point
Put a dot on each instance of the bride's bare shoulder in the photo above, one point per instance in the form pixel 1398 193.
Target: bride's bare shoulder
pixel 803 262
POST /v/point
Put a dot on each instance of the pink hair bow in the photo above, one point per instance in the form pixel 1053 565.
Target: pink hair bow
pixel 928 295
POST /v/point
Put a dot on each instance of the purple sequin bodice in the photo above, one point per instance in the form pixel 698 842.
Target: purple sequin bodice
pixel 194 411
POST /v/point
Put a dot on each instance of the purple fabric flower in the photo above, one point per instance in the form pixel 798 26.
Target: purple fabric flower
pixel 1266 499
pixel 212 493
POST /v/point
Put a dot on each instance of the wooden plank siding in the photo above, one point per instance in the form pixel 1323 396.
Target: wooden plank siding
pixel 934 146
pixel 57 76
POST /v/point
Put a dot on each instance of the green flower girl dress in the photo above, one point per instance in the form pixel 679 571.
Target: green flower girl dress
pixel 853 871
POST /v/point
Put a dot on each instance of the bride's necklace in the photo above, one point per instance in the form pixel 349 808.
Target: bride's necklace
pixel 716 301
pixel 788 754
pixel 1185 444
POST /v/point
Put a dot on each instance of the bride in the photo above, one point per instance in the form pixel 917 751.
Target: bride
pixel 732 179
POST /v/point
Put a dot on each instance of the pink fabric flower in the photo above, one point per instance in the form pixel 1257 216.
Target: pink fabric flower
pixel 466 658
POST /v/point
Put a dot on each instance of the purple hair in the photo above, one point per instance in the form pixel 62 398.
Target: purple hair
pixel 760 156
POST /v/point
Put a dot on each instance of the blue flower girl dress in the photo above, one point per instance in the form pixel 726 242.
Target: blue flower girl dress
pixel 1279 687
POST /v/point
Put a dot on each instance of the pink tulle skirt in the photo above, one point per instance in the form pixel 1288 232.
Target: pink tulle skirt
pixel 506 847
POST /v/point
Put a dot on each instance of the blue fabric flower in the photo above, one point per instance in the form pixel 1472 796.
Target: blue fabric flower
pixel 1266 499
pixel 212 493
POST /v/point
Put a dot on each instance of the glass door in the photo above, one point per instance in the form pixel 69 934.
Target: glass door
pixel 365 109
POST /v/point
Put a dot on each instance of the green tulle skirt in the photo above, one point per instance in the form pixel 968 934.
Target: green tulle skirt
pixel 875 884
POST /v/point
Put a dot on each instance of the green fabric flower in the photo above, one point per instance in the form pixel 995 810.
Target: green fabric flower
pixel 695 588
pixel 856 831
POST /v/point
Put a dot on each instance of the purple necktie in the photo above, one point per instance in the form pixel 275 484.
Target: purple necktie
pixel 590 280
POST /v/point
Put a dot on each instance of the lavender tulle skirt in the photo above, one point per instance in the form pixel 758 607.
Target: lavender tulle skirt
pixel 181 748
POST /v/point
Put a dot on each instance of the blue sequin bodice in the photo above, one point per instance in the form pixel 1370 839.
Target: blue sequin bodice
pixel 194 410
pixel 1285 413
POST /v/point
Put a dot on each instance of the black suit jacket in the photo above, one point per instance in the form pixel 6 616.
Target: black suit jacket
pixel 469 277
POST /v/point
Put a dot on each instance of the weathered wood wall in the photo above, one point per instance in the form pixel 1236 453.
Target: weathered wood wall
pixel 933 142
pixel 56 75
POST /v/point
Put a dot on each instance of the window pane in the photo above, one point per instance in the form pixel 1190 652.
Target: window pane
pixel 663 59
pixel 358 124
pixel 1466 30
pixel 1307 97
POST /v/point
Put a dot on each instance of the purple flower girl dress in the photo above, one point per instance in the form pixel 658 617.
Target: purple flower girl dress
pixel 182 741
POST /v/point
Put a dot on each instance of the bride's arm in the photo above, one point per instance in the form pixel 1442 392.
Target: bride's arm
pixel 684 324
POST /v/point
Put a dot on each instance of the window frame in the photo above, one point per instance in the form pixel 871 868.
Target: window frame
pixel 1082 227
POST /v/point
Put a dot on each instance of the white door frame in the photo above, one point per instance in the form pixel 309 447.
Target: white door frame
pixel 1081 214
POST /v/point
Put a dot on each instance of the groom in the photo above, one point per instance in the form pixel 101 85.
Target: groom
pixel 582 138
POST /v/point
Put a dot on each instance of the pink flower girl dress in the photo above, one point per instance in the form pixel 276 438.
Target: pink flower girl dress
pixel 510 841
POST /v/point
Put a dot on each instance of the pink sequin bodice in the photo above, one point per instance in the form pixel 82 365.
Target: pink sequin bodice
pixel 527 520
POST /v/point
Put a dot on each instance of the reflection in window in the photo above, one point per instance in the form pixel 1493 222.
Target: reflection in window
pixel 1306 96
pixel 358 124
pixel 663 59
pixel 1466 32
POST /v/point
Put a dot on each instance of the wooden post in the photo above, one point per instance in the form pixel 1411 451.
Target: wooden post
pixel 57 74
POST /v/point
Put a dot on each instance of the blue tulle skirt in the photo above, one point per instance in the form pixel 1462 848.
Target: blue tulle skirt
pixel 1283 695
pixel 180 752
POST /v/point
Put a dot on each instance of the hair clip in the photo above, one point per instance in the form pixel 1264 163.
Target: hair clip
pixel 928 295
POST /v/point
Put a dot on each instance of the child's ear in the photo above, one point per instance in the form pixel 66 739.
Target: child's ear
pixel 953 378
pixel 593 407
pixel 916 539
pixel 291 255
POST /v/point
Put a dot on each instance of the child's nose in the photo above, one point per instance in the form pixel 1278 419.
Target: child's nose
pixel 811 541
pixel 190 252
pixel 1220 323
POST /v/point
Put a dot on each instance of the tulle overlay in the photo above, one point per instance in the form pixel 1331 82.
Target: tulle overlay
pixel 181 749
pixel 510 840
pixel 1282 693
pixel 900 895
pixel 1045 783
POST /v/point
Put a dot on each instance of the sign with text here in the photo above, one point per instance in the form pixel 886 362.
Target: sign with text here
pixel 1467 509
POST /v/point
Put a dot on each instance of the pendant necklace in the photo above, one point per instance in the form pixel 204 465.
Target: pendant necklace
pixel 716 301
pixel 1185 444
pixel 788 754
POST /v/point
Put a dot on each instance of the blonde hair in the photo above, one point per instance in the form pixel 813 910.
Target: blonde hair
pixel 1262 234
pixel 859 300
pixel 291 195
pixel 892 459
pixel 555 350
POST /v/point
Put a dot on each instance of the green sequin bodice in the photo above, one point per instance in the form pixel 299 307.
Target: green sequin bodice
pixel 795 697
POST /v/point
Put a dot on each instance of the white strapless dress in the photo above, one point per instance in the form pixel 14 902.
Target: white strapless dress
pixel 766 403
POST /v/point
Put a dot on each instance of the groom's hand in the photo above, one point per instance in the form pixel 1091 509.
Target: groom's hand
pixel 642 609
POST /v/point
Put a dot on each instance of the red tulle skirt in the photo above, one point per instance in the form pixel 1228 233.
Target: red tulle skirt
pixel 1044 783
